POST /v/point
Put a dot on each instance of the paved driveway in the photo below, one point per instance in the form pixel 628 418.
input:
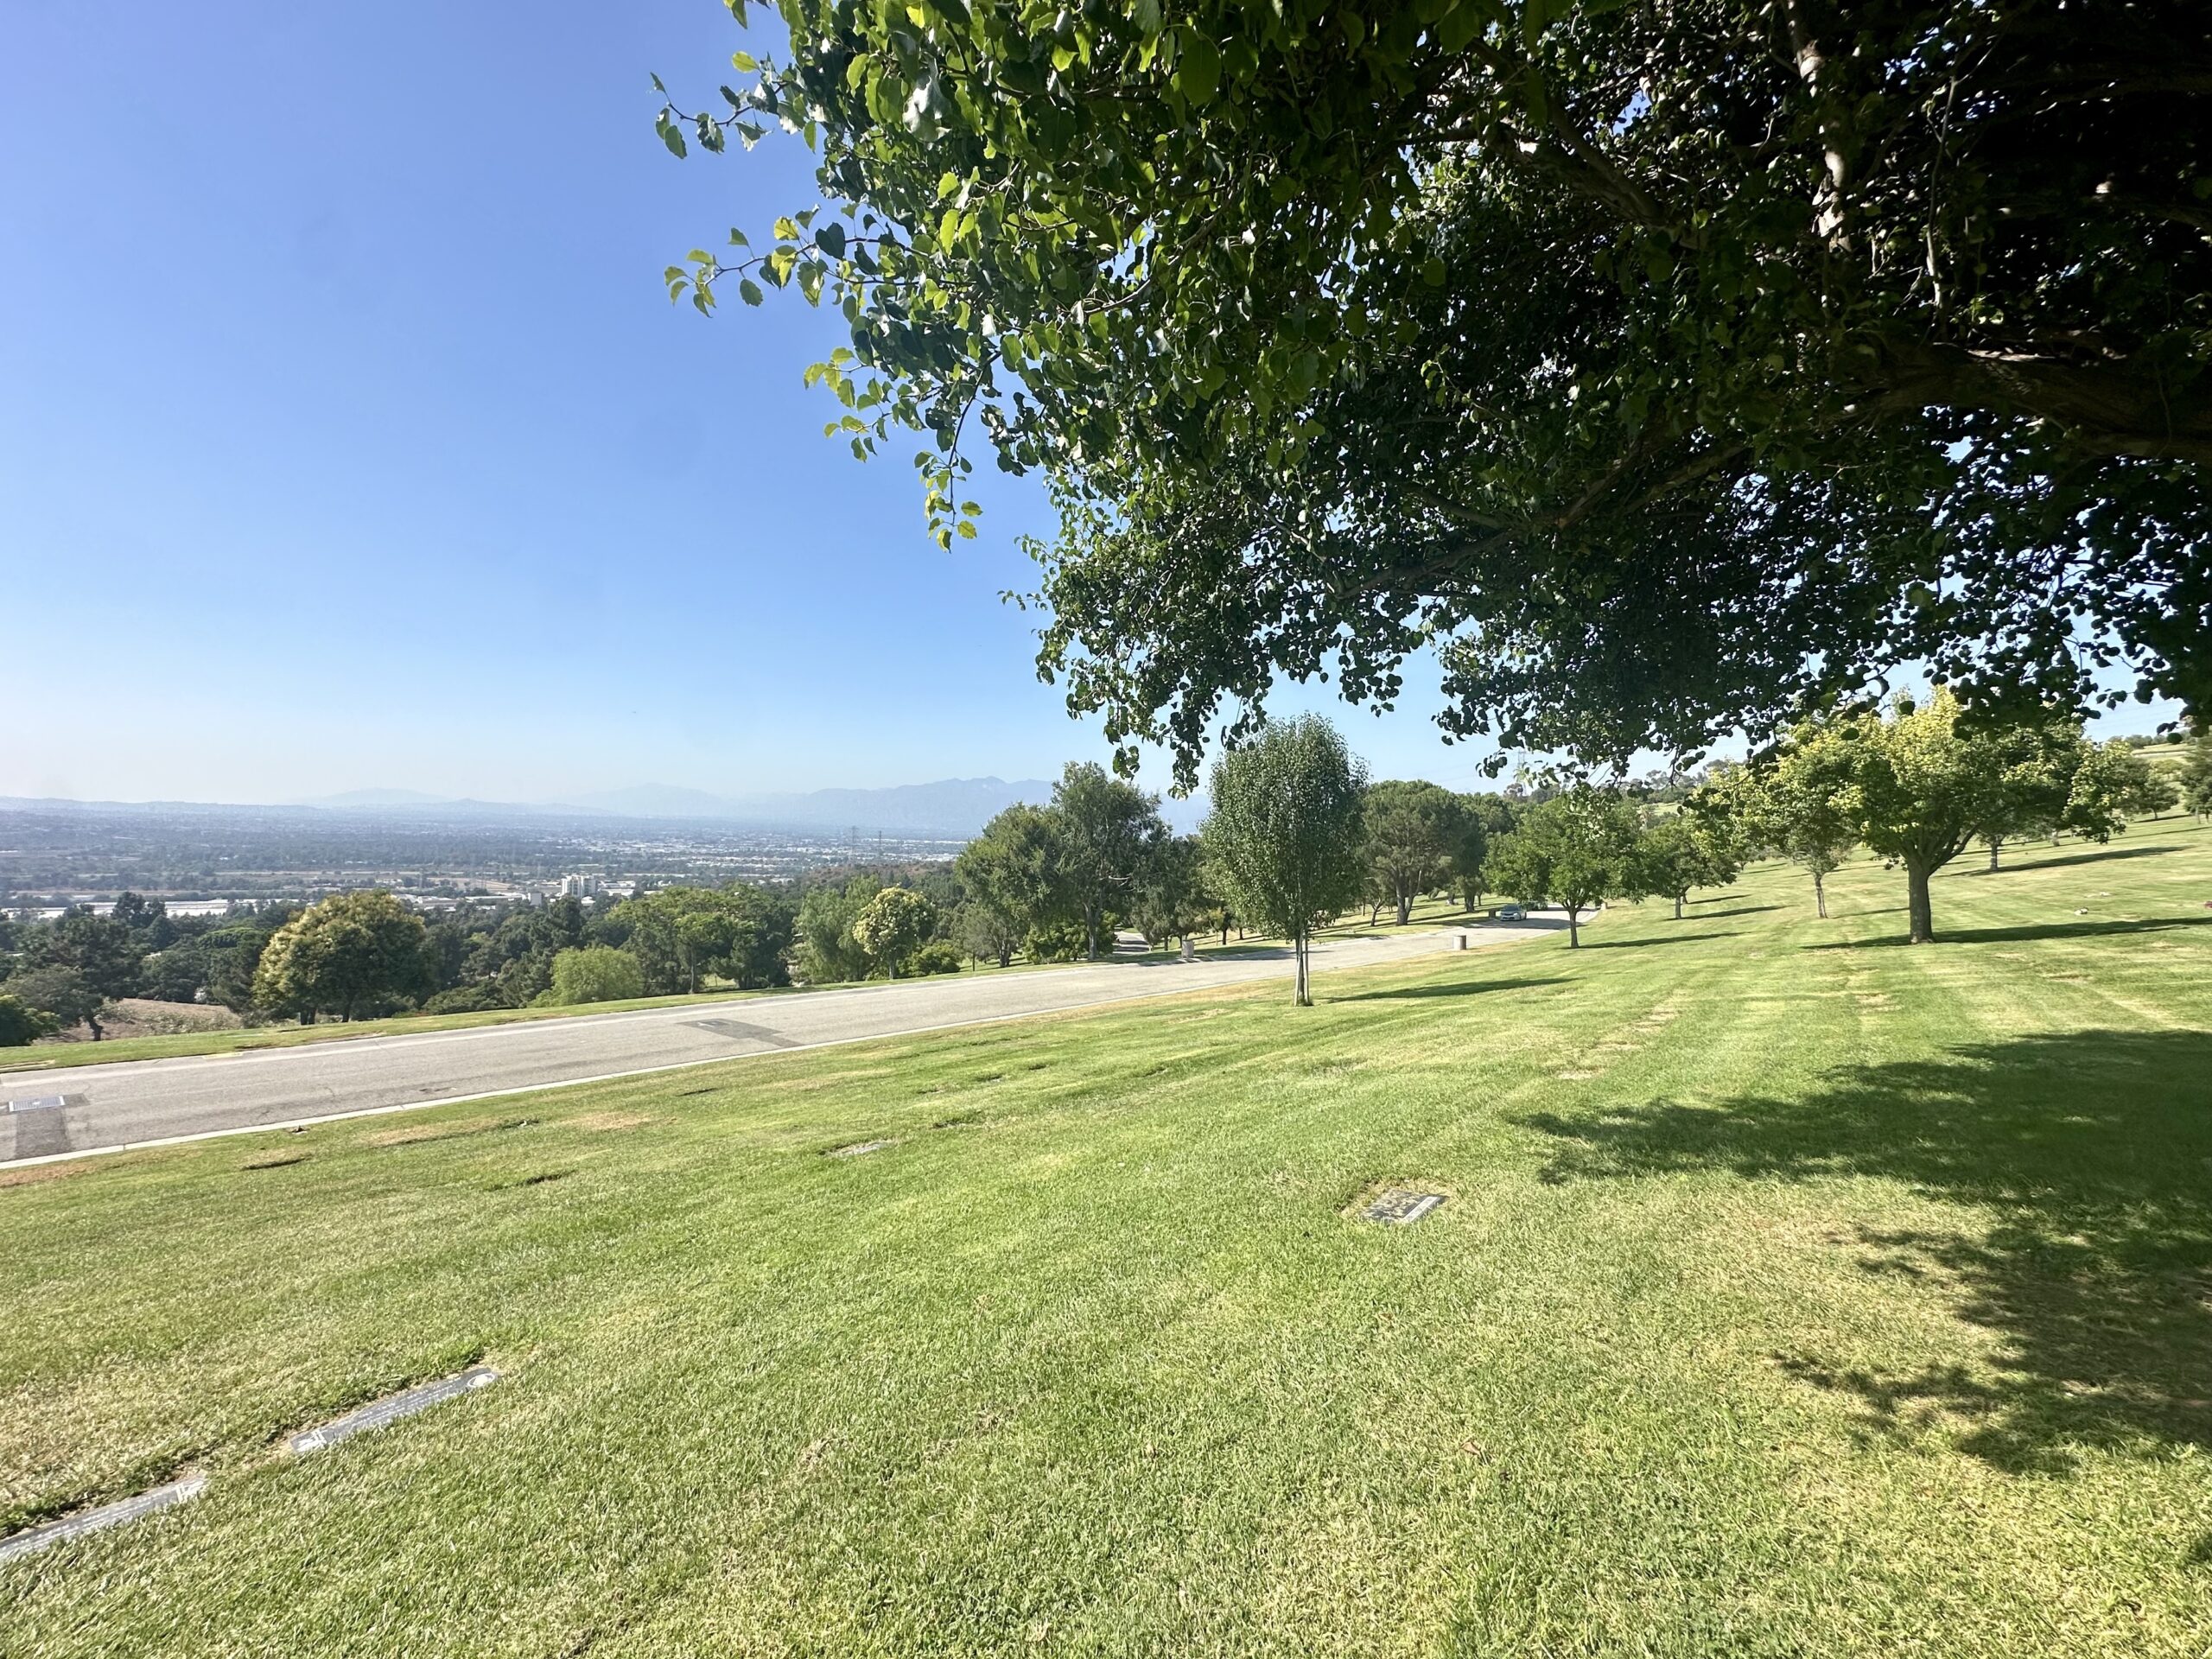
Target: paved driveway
pixel 66 1113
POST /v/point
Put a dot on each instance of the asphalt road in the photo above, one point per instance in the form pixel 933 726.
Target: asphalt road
pixel 70 1112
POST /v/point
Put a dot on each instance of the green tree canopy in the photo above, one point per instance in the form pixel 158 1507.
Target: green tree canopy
pixel 21 1024
pixel 2195 776
pixel 1575 850
pixel 596 973
pixel 1671 366
pixel 1791 806
pixel 1110 831
pixel 828 952
pixel 1922 784
pixel 1413 830
pixel 1684 851
pixel 352 949
pixel 1013 873
pixel 1284 835
pixel 892 925
pixel 59 995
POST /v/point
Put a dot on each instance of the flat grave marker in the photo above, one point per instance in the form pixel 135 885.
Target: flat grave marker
pixel 1398 1206
pixel 861 1149
pixel 167 1496
pixel 391 1409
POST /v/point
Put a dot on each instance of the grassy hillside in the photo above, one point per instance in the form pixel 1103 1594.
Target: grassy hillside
pixel 1799 1293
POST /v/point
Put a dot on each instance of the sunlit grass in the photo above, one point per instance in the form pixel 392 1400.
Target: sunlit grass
pixel 1799 1293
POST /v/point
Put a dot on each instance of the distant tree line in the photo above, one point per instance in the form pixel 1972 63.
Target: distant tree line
pixel 1297 837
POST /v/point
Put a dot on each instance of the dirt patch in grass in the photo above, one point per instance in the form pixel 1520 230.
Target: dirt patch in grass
pixel 276 1161
pixel 609 1122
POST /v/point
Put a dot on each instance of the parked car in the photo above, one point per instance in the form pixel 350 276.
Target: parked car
pixel 1511 913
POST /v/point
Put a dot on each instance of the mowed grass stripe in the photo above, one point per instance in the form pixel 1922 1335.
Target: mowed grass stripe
pixel 1861 1306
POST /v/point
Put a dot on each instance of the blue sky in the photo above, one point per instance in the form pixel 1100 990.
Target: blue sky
pixel 347 438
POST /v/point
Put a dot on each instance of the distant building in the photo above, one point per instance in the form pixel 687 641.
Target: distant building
pixel 581 887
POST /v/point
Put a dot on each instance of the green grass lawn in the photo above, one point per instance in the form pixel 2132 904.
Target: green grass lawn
pixel 1800 1293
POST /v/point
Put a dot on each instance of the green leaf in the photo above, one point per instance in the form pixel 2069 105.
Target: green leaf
pixel 749 291
pixel 830 238
pixel 744 62
pixel 1197 68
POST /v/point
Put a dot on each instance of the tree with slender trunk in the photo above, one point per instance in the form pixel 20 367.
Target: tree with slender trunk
pixel 1921 784
pixel 1575 850
pixel 1284 835
pixel 1109 832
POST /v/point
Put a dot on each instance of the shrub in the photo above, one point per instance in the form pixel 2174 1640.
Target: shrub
pixel 596 973
pixel 20 1025
pixel 479 998
pixel 937 956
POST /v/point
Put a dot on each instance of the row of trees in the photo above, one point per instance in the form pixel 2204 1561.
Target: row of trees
pixel 1922 783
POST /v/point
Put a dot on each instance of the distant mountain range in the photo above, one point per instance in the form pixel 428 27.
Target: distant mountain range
pixel 949 807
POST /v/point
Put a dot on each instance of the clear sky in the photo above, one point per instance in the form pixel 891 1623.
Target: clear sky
pixel 347 438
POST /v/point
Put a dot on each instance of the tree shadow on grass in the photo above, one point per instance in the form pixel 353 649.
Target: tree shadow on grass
pixel 1639 945
pixel 1738 909
pixel 2017 935
pixel 1449 987
pixel 2090 1154
pixel 2027 861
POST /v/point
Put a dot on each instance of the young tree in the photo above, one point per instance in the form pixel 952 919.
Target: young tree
pixel 892 925
pixel 1920 785
pixel 1792 805
pixel 1482 818
pixel 1412 830
pixel 1171 902
pixel 1109 832
pixel 351 948
pixel 1013 876
pixel 987 933
pixel 1575 850
pixel 1284 834
pixel 1684 851
pixel 596 973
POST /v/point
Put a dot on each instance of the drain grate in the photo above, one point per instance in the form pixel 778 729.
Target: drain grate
pixel 46 1103
pixel 108 1515
pixel 391 1409
pixel 1400 1207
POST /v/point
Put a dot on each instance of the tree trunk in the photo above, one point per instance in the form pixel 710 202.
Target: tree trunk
pixel 1678 906
pixel 1574 927
pixel 1923 916
pixel 1820 896
pixel 1995 841
pixel 1405 909
pixel 1090 932
pixel 93 1021
pixel 1302 989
